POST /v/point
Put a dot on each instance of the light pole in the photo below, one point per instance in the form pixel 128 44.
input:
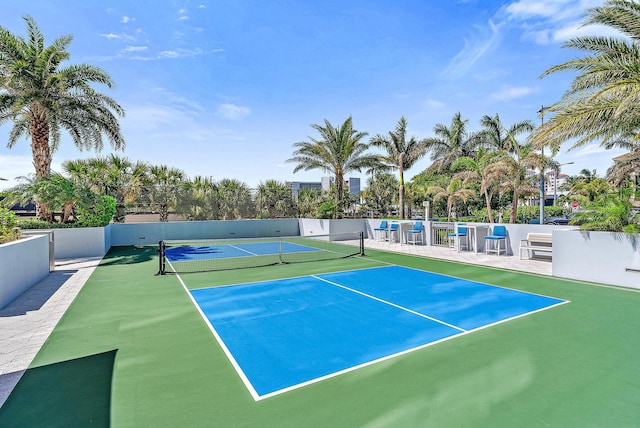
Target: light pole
pixel 555 181
pixel 541 111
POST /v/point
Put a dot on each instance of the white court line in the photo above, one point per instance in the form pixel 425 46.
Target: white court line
pixel 226 350
pixel 246 251
pixel 257 397
pixel 390 304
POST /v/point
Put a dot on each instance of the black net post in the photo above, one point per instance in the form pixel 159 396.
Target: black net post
pixel 161 258
pixel 362 243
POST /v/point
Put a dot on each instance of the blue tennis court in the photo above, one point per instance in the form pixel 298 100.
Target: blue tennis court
pixel 224 251
pixel 284 334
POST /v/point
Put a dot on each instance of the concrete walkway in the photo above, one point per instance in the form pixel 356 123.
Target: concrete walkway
pixel 27 322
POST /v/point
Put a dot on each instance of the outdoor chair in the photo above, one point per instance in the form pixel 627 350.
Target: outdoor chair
pixel 394 230
pixel 492 242
pixel 415 235
pixel 380 232
pixel 458 237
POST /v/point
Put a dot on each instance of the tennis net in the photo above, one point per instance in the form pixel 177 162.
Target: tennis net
pixel 185 256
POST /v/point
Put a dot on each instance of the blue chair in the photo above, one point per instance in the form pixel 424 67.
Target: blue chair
pixel 460 235
pixel 415 235
pixel 492 242
pixel 394 230
pixel 381 230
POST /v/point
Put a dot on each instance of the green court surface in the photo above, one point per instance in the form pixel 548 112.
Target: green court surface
pixel 133 351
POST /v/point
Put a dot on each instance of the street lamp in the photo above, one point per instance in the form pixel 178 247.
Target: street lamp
pixel 555 181
pixel 541 111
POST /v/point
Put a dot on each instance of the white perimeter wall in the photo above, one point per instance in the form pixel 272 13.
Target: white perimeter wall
pixel 312 226
pixel 152 233
pixel 23 263
pixel 604 257
pixel 597 256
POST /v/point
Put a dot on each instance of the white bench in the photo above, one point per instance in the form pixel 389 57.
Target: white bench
pixel 536 242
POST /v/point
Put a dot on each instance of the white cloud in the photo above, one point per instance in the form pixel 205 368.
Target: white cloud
pixel 13 166
pixel 525 9
pixel 232 111
pixel 110 36
pixel 180 53
pixel 169 54
pixel 127 19
pixel 135 48
pixel 434 104
pixel 511 92
pixel 553 21
pixel 590 149
pixel 474 49
pixel 183 18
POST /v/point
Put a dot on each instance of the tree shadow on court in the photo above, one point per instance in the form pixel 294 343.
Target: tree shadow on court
pixel 129 255
pixel 74 393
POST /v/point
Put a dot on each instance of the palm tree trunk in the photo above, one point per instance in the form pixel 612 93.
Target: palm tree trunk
pixel 339 187
pixel 164 213
pixel 487 198
pixel 120 208
pixel 67 210
pixel 514 207
pixel 41 152
pixel 401 190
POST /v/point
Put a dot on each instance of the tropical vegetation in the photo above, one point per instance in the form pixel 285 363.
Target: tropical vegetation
pixel 401 154
pixel 490 174
pixel 41 97
pixel 339 151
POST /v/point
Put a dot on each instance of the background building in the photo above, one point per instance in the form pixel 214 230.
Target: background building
pixel 352 184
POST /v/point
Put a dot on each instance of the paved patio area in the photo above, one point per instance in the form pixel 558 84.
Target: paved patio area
pixel 27 322
pixel 542 267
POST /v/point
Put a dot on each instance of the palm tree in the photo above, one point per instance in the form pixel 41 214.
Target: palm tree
pixel 496 136
pixel 164 185
pixel 470 170
pixel 307 201
pixel 455 191
pixel 200 199
pixel 511 172
pixel 626 169
pixel 235 199
pixel 601 104
pixel 451 143
pixel 339 151
pixel 381 193
pixel 55 190
pixel 400 153
pixel 40 97
pixel 113 176
pixel 274 199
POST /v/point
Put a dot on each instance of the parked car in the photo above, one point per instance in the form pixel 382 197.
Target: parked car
pixel 560 220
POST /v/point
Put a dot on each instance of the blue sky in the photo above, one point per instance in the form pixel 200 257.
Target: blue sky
pixel 224 88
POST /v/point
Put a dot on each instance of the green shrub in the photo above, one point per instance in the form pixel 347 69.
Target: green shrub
pixel 9 230
pixel 98 214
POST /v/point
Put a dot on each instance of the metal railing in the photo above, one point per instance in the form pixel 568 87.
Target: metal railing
pixel 440 233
